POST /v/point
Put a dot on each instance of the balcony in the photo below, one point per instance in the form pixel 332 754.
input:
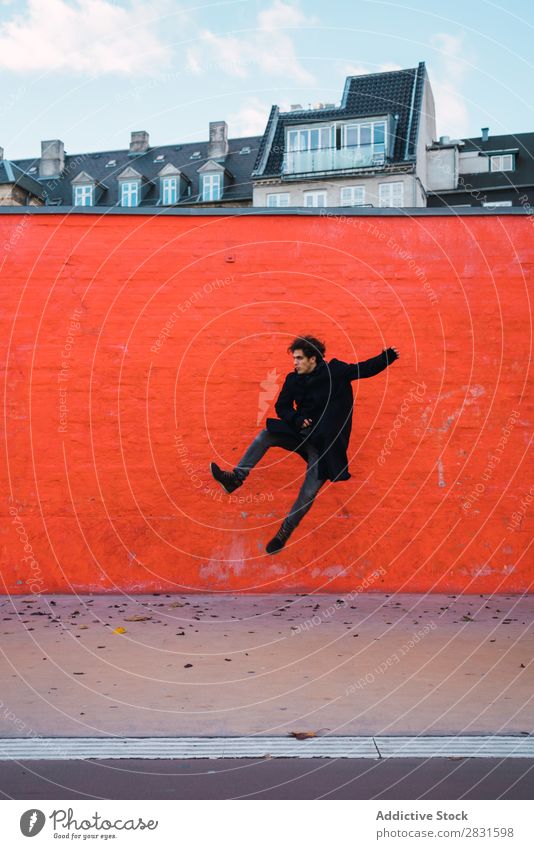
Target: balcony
pixel 332 159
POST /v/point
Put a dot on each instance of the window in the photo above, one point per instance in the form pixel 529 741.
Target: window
pixel 390 194
pixel 502 163
pixel 352 195
pixel 160 157
pixel 280 199
pixel 195 155
pixel 169 190
pixel 492 203
pixel 314 198
pixel 130 193
pixel 245 149
pixel 83 195
pixel 211 186
pixel 310 139
pixel 111 163
pixel 370 135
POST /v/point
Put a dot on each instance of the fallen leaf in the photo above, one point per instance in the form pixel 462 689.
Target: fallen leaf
pixel 136 618
pixel 188 665
pixel 119 630
pixel 302 735
pixel 176 604
pixel 84 627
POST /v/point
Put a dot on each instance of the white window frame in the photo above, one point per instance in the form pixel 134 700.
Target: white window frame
pixel 490 204
pixel 130 192
pixel 299 138
pixel 211 186
pixel 315 196
pixel 387 192
pixel 83 195
pixel 278 199
pixel 502 162
pixel 372 125
pixel 352 192
pixel 169 190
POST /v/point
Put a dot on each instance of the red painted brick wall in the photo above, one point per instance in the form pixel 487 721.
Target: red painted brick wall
pixel 138 348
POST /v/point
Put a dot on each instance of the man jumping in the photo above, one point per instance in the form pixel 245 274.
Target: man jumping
pixel 314 412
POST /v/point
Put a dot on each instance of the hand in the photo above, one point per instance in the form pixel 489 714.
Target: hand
pixel 393 348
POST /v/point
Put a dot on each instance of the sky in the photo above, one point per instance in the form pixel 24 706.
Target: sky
pixel 91 71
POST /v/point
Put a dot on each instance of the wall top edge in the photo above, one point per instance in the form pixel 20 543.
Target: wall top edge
pixel 343 211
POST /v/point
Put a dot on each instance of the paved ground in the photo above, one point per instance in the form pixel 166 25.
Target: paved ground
pixel 224 665
pixel 439 778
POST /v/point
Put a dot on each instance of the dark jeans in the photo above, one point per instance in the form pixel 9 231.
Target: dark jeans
pixel 311 485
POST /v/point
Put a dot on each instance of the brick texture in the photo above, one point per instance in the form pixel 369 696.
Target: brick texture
pixel 136 349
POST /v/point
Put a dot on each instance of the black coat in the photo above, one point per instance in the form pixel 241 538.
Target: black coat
pixel 324 396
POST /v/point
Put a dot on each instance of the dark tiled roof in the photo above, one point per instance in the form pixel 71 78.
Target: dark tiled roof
pixel 523 141
pixel 94 164
pixel 391 92
pixel 10 173
pixel 505 182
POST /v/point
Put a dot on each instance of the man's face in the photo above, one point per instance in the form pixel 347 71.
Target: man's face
pixel 303 364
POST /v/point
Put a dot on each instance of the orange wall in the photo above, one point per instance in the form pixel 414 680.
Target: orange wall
pixel 113 493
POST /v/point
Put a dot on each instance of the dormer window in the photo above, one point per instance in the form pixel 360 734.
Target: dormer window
pixel 504 162
pixel 338 146
pixel 160 157
pixel 169 190
pixel 245 149
pixel 111 163
pixel 83 195
pixel 195 155
pixel 130 192
pixel 85 191
pixel 211 186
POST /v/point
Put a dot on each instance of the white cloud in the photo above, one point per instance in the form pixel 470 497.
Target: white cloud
pixel 250 119
pixel 447 74
pixel 88 36
pixel 269 48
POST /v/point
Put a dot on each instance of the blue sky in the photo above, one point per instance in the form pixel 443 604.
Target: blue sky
pixel 90 71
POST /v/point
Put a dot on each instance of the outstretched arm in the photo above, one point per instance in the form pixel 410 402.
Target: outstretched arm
pixel 284 405
pixel 368 368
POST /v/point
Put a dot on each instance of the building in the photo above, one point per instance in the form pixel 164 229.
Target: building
pixel 369 151
pixel 490 171
pixel 18 188
pixel 378 148
pixel 210 173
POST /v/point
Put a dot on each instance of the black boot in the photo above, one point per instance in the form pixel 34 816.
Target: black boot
pixel 278 541
pixel 228 480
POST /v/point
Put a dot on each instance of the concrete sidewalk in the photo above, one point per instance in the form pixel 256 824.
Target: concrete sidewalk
pixel 241 665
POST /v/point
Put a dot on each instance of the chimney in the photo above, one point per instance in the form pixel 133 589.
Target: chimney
pixel 138 141
pixel 444 139
pixel 485 133
pixel 1 152
pixel 218 143
pixel 52 160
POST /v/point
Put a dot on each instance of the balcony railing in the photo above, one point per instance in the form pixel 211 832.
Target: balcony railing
pixel 331 159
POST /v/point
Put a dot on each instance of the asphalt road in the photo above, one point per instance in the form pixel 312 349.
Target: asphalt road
pixel 436 778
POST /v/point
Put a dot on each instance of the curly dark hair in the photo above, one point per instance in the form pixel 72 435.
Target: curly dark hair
pixel 309 345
